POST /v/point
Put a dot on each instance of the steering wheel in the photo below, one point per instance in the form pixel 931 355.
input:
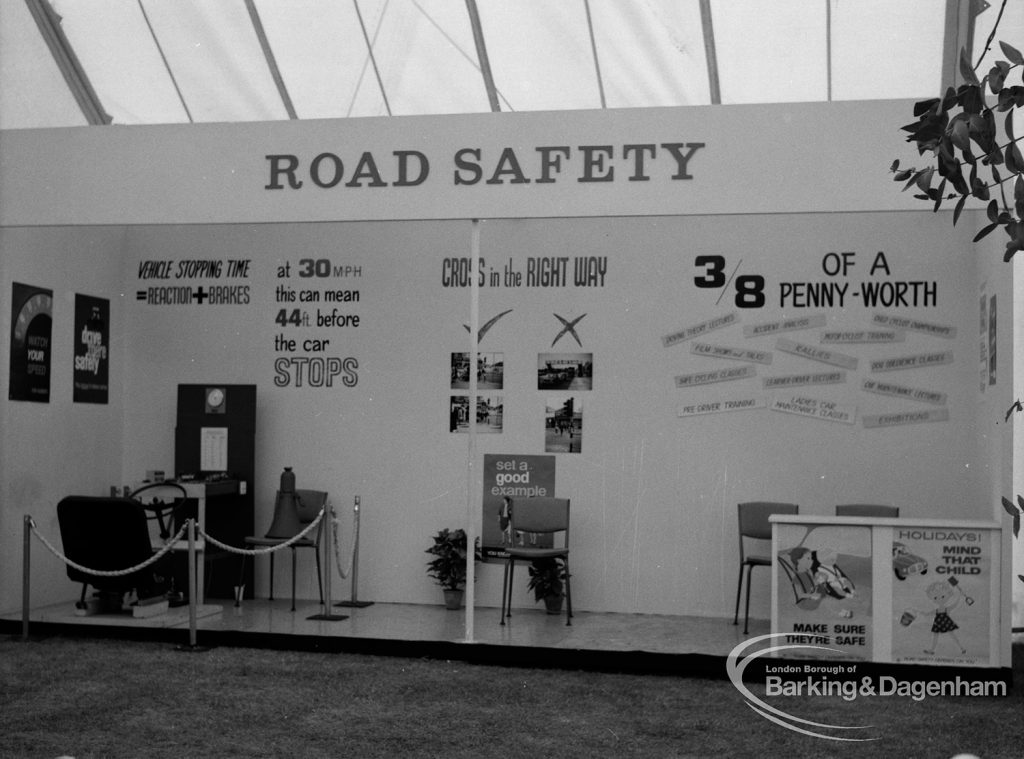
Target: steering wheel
pixel 163 511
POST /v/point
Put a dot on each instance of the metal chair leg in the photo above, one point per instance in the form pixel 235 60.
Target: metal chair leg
pixel 746 619
pixel 739 592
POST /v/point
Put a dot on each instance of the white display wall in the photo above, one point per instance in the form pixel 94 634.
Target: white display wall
pixel 735 354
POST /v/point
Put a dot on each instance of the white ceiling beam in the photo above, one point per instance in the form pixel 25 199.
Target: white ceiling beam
pixel 268 54
pixel 71 69
pixel 481 54
pixel 714 86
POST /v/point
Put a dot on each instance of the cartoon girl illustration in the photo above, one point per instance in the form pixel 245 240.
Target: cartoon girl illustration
pixel 827 579
pixel 940 593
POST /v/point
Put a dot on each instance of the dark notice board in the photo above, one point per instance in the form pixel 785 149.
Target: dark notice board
pixel 229 517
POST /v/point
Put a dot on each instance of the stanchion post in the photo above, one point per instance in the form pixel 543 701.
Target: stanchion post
pixel 192 584
pixel 26 554
pixel 354 601
pixel 325 614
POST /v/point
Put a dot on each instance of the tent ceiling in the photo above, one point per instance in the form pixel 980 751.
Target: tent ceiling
pixel 174 61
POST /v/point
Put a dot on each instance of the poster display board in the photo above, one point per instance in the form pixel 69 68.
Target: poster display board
pixel 509 476
pixel 887 590
pixel 92 349
pixel 825 578
pixel 31 347
pixel 940 596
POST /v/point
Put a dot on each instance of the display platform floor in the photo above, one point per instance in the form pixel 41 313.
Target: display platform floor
pixel 615 642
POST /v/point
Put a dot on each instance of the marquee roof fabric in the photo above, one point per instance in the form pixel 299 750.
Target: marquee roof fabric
pixel 96 62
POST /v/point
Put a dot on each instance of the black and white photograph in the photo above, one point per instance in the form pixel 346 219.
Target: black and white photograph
pixel 730 294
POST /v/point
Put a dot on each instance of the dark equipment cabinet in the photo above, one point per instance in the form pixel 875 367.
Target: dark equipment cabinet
pixel 229 516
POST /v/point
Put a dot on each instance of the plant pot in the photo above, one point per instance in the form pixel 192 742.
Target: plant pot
pixel 453 598
pixel 553 604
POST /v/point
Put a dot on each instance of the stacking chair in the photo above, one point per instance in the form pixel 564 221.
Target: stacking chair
pixel 308 503
pixel 537 517
pixel 108 535
pixel 754 525
pixel 867 510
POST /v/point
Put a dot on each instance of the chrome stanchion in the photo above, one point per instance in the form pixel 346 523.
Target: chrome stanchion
pixel 325 614
pixel 26 553
pixel 354 601
pixel 193 591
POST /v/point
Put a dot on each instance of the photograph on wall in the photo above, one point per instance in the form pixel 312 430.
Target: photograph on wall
pixel 563 424
pixel 507 477
pixel 565 371
pixel 490 371
pixel 940 596
pixel 31 342
pixel 489 413
pixel 825 587
pixel 92 349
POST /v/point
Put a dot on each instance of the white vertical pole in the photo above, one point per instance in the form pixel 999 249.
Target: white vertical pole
pixel 474 321
pixel 193 586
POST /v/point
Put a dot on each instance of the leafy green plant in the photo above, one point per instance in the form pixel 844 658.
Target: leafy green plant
pixel 970 157
pixel 547 578
pixel 448 566
pixel 960 132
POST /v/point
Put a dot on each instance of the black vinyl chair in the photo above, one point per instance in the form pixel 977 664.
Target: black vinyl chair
pixel 534 518
pixel 108 535
pixel 754 525
pixel 867 510
pixel 308 503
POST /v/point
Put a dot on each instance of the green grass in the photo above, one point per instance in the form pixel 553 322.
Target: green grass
pixel 107 698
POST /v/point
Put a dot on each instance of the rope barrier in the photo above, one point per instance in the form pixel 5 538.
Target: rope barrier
pixel 101 572
pixel 268 549
pixel 170 544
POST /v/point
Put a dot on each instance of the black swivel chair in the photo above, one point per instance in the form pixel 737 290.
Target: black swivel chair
pixel 108 535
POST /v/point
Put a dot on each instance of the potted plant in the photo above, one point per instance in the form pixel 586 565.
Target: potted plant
pixel 547 581
pixel 448 566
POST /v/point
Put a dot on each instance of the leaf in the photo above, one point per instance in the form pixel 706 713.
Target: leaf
pixel 979 189
pixel 924 178
pixel 984 232
pixel 965 68
pixel 923 106
pixel 1007 126
pixel 959 133
pixel 1009 507
pixel 993 212
pixel 959 208
pixel 1012 54
pixel 902 176
pixel 1014 158
pixel 938 195
pixel 895 165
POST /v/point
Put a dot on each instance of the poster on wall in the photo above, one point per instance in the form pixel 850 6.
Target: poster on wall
pixel 940 596
pixel 825 588
pixel 92 349
pixel 31 342
pixel 507 477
